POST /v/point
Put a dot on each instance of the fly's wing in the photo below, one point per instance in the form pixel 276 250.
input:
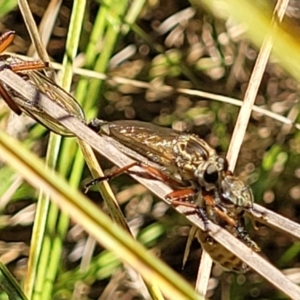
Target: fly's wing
pixel 153 142
pixel 57 94
pixel 53 91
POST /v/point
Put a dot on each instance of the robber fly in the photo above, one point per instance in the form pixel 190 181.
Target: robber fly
pixel 29 70
pixel 189 164
pixel 184 160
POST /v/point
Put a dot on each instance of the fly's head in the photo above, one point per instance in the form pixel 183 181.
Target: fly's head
pixel 209 173
pixel 235 193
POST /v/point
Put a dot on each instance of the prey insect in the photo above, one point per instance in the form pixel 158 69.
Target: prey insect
pixel 29 70
pixel 223 256
pixel 218 252
pixel 189 164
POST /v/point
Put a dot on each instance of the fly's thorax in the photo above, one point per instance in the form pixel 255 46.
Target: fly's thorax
pixel 235 193
pixel 100 126
pixel 194 155
pixel 190 148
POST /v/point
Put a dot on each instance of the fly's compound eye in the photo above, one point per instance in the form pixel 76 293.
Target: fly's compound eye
pixel 211 174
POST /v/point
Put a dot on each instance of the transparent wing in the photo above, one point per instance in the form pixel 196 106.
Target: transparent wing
pixel 154 142
pixel 52 90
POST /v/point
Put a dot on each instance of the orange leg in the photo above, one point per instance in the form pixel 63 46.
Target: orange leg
pixel 108 177
pixel 9 101
pixel 18 67
pixel 159 175
pixel 5 40
pixel 150 171
pixel 222 214
pixel 179 197
pixel 27 65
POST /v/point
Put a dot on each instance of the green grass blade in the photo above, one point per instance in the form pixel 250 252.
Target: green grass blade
pixel 93 220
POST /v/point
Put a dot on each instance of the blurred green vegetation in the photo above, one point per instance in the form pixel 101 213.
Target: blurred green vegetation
pixel 177 44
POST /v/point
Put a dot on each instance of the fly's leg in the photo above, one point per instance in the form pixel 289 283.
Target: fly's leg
pixel 243 235
pixel 17 67
pixel 198 210
pixel 157 174
pixel 9 101
pixel 181 197
pixel 218 209
pixel 5 40
pixel 149 171
pixel 108 177
pixel 21 66
pixel 222 214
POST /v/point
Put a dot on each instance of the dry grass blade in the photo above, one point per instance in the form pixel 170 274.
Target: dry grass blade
pixel 34 34
pixel 35 37
pixel 93 220
pixel 203 276
pixel 46 25
pixel 171 89
pixel 278 222
pixel 254 83
pixel 105 146
pixel 246 109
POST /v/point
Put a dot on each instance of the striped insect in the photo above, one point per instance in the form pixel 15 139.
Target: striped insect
pixel 30 71
pixel 222 255
pixel 217 251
